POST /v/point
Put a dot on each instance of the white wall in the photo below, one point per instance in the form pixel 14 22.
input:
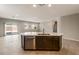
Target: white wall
pixel 20 25
pixel 70 26
pixel 48 25
pixel 2 29
pixel 67 25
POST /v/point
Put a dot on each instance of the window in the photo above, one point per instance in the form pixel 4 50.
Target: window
pixel 10 28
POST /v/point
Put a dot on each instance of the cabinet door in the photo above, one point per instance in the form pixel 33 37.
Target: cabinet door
pixel 40 42
pixel 43 42
pixel 55 43
pixel 47 42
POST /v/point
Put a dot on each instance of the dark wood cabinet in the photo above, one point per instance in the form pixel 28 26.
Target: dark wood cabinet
pixel 48 42
pixel 41 42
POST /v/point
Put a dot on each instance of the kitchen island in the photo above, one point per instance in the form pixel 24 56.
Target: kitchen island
pixel 39 41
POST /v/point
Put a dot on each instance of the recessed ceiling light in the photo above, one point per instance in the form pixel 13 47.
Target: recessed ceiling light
pixel 34 5
pixel 16 15
pixel 49 5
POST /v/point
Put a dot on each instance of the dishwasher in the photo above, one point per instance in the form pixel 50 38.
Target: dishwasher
pixel 29 42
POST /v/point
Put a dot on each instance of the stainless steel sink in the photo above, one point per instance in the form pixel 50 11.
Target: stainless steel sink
pixel 43 34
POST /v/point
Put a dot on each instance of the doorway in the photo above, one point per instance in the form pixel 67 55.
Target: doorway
pixel 10 29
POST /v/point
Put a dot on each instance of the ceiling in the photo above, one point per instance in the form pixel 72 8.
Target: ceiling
pixel 40 13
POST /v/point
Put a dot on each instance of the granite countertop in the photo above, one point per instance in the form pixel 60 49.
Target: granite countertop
pixel 40 34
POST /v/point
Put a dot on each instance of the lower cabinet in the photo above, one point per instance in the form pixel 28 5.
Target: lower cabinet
pixel 48 42
pixel 41 42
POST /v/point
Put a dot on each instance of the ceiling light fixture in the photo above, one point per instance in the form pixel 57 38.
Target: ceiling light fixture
pixel 41 5
pixel 16 15
pixel 34 5
pixel 49 5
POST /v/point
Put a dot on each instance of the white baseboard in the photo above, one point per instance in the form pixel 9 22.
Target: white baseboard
pixel 64 38
pixel 71 39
